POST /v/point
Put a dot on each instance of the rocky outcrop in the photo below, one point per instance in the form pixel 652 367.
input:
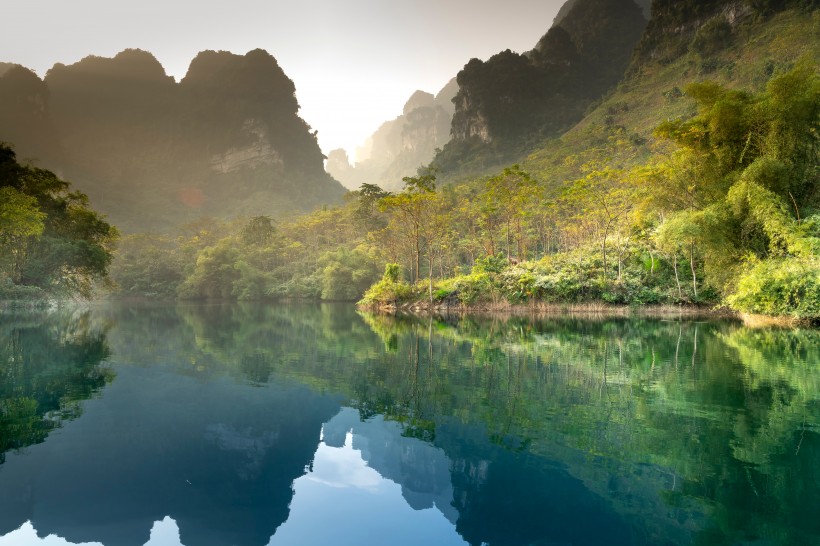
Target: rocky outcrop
pixel 257 153
pixel 140 144
pixel 512 99
pixel 674 24
pixel 25 120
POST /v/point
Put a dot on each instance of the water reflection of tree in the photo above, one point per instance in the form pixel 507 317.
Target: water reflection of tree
pixel 49 363
pixel 730 413
pixel 709 426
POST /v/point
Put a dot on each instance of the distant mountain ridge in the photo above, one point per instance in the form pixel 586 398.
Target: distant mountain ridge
pixel 399 146
pixel 498 109
pixel 152 153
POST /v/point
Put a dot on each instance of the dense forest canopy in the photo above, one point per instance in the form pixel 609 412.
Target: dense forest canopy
pixel 51 242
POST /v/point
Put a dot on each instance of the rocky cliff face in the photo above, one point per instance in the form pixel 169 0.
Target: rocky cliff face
pixel 512 98
pixel 24 116
pixel 400 146
pixel 675 23
pixel 153 153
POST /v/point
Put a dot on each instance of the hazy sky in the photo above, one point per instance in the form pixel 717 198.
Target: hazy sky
pixel 354 62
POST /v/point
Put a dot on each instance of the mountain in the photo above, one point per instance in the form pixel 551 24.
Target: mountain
pixel 674 25
pixel 24 112
pixel 152 153
pixel 740 44
pixel 400 146
pixel 645 6
pixel 512 101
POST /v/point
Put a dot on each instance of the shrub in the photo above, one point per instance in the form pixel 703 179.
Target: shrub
pixel 472 287
pixel 15 292
pixel 389 289
pixel 491 264
pixel 787 287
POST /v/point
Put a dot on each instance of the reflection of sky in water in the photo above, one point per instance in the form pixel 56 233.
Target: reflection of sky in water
pixel 164 533
pixel 340 500
pixel 575 443
pixel 344 501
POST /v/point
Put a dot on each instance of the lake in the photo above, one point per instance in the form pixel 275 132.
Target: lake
pixel 248 425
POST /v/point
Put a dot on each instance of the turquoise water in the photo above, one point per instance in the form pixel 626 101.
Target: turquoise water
pixel 306 424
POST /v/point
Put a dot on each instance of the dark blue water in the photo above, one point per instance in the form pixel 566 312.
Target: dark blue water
pixel 251 425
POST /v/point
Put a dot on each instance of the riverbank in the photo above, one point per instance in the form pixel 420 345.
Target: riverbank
pixel 588 310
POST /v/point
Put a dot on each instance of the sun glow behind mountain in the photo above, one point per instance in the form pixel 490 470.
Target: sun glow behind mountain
pixel 354 64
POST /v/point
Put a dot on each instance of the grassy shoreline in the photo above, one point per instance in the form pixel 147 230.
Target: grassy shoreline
pixel 589 310
pixel 599 309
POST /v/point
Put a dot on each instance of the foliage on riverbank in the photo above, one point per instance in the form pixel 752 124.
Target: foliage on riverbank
pixel 51 242
pixel 733 206
pixel 725 212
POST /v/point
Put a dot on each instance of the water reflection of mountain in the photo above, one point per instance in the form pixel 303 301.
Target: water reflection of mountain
pixel 517 431
pixel 217 456
pixel 421 469
pixel 492 495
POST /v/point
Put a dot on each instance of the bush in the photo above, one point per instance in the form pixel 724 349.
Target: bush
pixel 518 284
pixel 474 287
pixel 15 292
pixel 784 287
pixel 491 264
pixel 389 290
pixel 346 275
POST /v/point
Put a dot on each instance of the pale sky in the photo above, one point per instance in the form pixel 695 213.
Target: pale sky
pixel 354 63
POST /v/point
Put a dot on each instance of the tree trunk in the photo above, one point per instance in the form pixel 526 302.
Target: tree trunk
pixel 603 248
pixel 692 266
pixel 508 238
pixel 418 261
pixel 677 279
pixel 430 273
pixel 519 239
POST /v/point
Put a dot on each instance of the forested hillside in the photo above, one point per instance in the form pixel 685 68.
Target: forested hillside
pixel 506 105
pixel 695 181
pixel 153 154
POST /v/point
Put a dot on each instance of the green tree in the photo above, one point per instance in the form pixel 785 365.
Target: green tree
pixel 410 211
pixel 20 222
pixel 258 231
pixel 367 206
pixel 744 179
pixel 74 248
pixel 507 202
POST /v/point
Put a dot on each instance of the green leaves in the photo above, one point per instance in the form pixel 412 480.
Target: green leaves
pixel 19 214
pixel 747 165
pixel 780 287
pixel 51 238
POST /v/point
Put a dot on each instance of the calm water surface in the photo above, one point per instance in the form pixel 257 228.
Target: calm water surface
pixel 249 425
